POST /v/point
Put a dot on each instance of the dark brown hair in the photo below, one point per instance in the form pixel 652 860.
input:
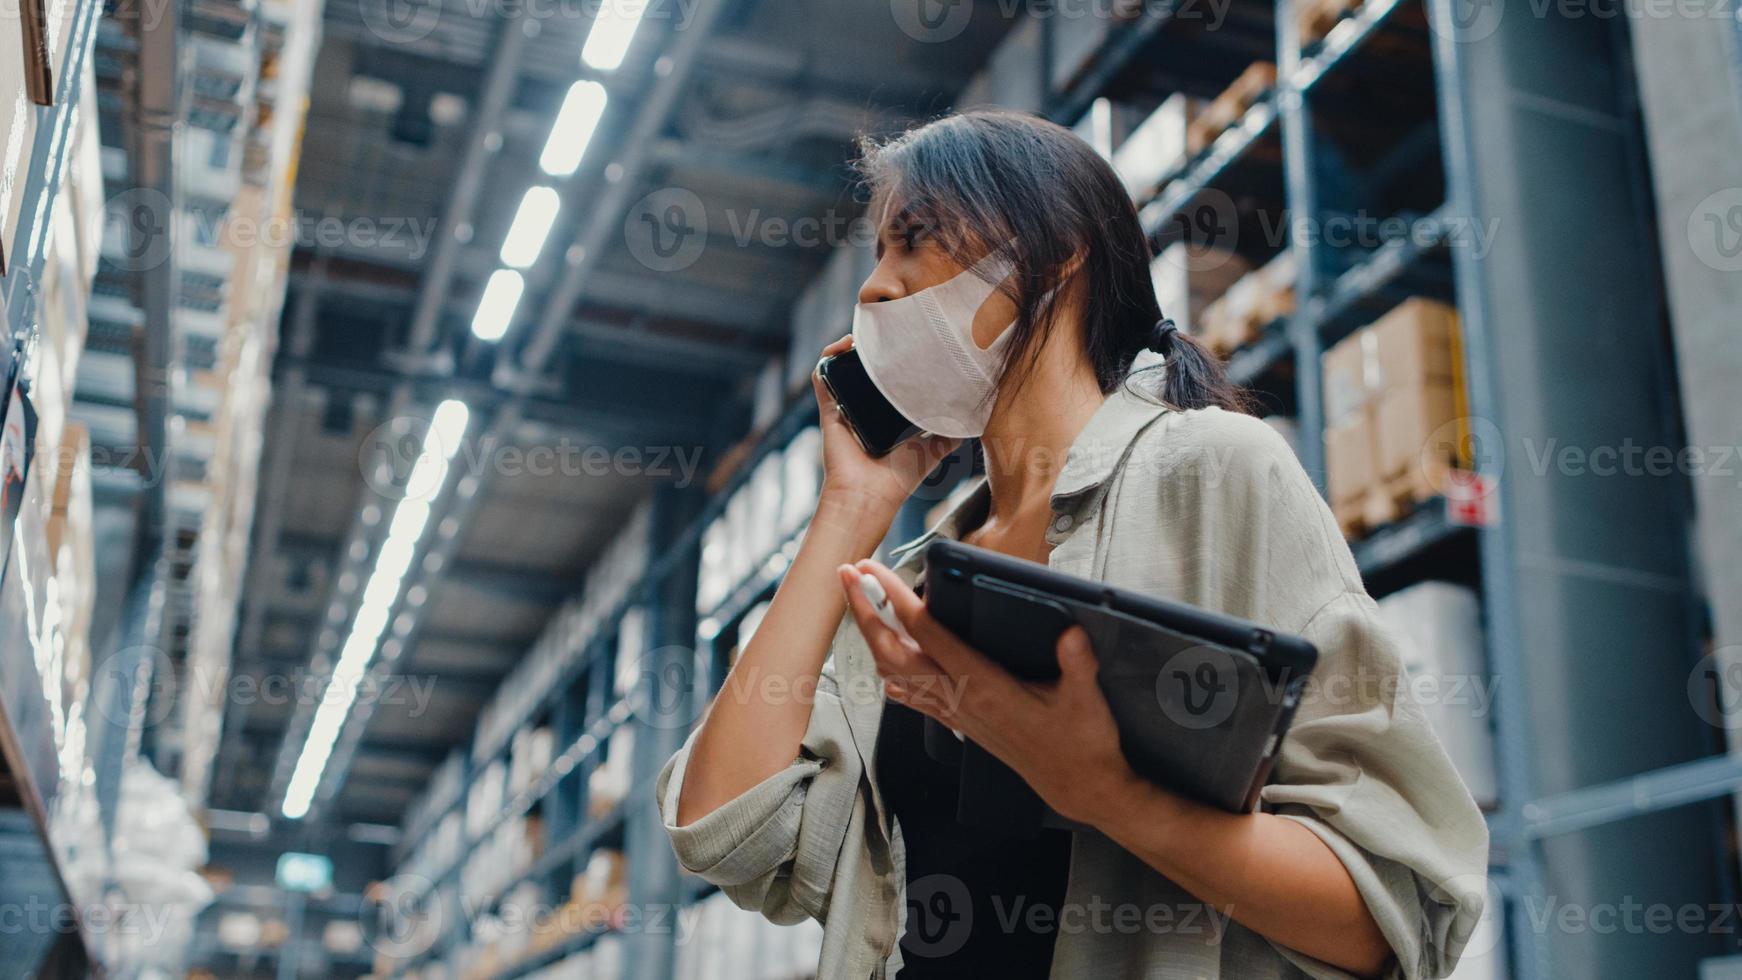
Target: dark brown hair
pixel 984 177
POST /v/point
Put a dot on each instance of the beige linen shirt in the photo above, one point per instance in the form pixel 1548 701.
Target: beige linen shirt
pixel 1205 507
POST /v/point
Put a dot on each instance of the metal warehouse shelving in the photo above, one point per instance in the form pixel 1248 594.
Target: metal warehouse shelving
pixel 1339 289
pixel 32 781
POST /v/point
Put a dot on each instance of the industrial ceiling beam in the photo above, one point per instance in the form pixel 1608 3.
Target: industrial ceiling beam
pixel 605 213
pixel 523 377
pixel 289 395
pixel 706 351
pixel 481 144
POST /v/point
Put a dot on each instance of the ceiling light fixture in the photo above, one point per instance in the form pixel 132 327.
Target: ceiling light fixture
pixel 613 28
pixel 575 122
pixel 447 427
pixel 496 306
pixel 531 226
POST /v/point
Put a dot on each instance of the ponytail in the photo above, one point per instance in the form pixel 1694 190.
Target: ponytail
pixel 1194 377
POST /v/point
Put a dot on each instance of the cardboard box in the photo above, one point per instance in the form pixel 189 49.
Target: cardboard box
pixel 1315 18
pixel 1349 459
pixel 1405 419
pixel 1226 109
pixel 1157 147
pixel 1346 385
pixel 1414 343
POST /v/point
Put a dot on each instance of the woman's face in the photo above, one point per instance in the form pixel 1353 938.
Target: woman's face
pixel 910 259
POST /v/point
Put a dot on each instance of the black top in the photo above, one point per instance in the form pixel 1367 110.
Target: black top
pixel 980 902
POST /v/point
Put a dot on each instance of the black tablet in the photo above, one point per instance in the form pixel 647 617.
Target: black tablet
pixel 1202 700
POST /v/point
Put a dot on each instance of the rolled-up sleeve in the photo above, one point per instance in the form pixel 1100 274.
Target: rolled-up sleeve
pixel 1242 530
pixel 774 848
pixel 1363 770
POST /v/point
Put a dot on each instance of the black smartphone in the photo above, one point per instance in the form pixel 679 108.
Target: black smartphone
pixel 876 423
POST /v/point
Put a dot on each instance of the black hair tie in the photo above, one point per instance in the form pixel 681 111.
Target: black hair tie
pixel 1162 341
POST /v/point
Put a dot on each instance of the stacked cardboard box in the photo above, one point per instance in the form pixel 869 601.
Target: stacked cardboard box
pixel 1315 18
pixel 1189 278
pixel 608 784
pixel 1439 625
pixel 1226 109
pixel 1392 395
pixel 1158 147
pixel 1235 319
pixel 72 553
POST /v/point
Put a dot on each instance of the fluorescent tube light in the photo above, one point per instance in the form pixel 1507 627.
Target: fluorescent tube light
pixel 613 28
pixel 573 129
pixel 446 430
pixel 532 224
pixel 496 306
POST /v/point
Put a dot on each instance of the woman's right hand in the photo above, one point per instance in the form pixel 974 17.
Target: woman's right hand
pixel 852 475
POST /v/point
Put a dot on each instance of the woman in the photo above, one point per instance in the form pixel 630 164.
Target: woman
pixel 1114 451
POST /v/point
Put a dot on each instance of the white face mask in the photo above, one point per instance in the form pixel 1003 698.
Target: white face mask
pixel 919 351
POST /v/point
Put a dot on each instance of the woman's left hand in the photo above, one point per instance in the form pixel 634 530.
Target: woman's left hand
pixel 1059 736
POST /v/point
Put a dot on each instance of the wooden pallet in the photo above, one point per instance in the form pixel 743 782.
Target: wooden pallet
pixel 1390 500
pixel 1226 109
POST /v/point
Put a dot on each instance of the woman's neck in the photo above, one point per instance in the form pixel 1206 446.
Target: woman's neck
pixel 1027 439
